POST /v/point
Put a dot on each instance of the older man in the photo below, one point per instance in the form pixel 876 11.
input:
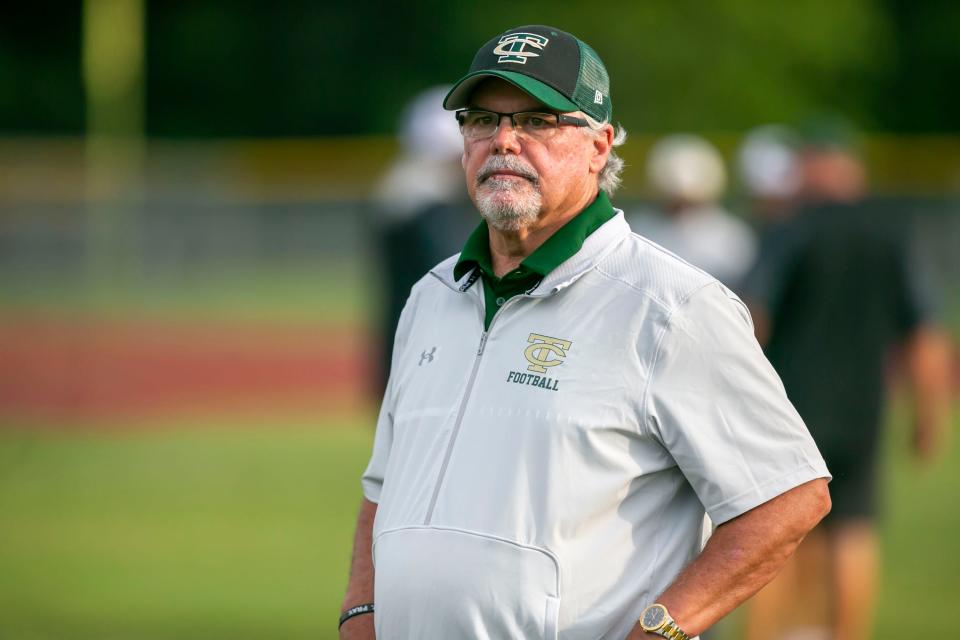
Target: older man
pixel 568 399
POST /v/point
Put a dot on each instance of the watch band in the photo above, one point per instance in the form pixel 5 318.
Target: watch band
pixel 672 631
pixel 657 619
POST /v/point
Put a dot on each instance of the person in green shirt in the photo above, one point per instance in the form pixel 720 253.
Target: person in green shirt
pixel 532 269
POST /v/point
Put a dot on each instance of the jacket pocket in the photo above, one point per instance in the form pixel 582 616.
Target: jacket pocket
pixel 438 583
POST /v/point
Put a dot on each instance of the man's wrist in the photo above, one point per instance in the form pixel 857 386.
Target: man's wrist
pixel 657 621
pixel 354 611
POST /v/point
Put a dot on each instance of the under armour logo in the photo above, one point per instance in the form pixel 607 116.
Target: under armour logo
pixel 597 97
pixel 426 356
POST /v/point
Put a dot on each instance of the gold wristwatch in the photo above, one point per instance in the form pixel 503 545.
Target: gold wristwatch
pixel 656 619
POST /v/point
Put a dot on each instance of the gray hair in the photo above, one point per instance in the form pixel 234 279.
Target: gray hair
pixel 609 178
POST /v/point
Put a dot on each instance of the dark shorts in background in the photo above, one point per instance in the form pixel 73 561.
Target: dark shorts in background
pixel 851 455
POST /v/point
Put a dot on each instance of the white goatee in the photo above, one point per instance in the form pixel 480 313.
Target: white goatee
pixel 508 204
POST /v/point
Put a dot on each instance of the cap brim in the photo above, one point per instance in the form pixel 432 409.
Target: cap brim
pixel 460 94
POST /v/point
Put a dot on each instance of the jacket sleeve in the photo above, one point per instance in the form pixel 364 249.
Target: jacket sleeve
pixel 372 480
pixel 718 407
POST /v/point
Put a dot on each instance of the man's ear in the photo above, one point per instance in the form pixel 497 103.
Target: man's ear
pixel 602 145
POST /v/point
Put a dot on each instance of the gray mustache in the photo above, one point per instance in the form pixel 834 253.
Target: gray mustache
pixel 494 165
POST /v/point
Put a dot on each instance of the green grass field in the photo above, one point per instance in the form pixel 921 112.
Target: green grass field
pixel 233 529
pixel 198 531
pixel 225 527
pixel 324 292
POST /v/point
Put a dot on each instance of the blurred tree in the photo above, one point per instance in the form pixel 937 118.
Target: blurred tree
pixel 920 91
pixel 299 67
pixel 729 64
pixel 296 67
pixel 40 85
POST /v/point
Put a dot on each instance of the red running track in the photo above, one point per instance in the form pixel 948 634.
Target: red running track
pixel 89 370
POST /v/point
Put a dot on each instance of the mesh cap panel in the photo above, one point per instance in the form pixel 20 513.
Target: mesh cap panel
pixel 592 92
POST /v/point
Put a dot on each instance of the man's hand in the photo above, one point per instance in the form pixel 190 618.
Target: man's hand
pixel 928 363
pixel 743 555
pixel 927 437
pixel 358 628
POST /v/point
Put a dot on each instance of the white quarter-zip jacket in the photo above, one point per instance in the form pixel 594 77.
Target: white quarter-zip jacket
pixel 548 477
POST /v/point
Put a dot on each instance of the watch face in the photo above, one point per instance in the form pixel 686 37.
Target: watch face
pixel 654 616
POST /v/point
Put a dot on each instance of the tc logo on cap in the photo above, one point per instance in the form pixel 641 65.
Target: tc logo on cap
pixel 512 47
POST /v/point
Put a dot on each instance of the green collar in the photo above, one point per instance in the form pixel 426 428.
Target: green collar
pixel 558 248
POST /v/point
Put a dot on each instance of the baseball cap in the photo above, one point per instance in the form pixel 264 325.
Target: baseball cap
pixel 687 167
pixel 553 66
pixel 768 162
pixel 427 131
pixel 828 131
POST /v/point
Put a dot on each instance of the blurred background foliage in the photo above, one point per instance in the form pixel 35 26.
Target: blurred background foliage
pixel 298 68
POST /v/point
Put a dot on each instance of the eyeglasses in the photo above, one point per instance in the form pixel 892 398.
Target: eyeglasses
pixel 476 124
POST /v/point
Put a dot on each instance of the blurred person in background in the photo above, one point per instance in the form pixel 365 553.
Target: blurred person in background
pixel 836 291
pixel 687 174
pixel 421 210
pixel 768 168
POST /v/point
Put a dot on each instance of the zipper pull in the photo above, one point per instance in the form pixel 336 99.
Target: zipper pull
pixel 483 342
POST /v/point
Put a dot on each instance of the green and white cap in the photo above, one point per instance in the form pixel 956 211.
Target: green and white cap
pixel 556 68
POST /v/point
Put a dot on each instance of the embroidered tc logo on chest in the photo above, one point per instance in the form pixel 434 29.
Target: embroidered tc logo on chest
pixel 545 352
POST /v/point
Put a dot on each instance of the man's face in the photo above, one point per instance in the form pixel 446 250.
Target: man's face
pixel 514 180
pixel 832 175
